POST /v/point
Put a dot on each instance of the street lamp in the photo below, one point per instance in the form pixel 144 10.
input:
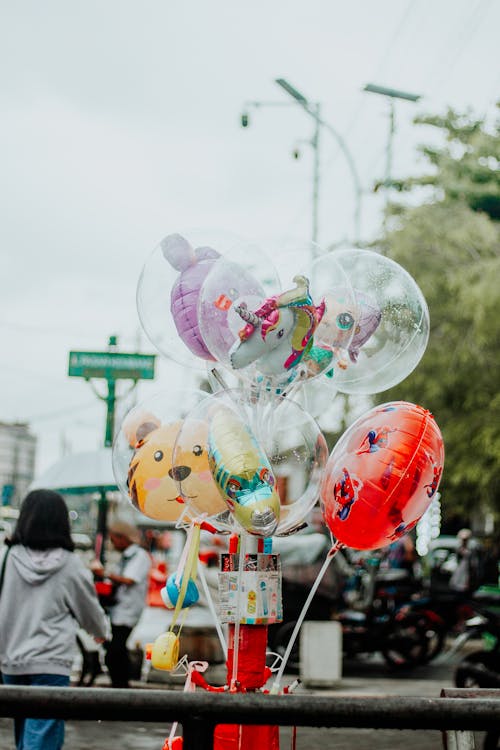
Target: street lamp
pixel 313 109
pixel 391 94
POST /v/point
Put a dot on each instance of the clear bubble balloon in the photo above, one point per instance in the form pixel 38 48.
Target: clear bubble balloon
pixel 336 329
pixel 391 323
pixel 275 336
pixel 143 460
pixel 267 455
pixel 168 291
pixel 239 284
pixel 298 453
pixel 239 466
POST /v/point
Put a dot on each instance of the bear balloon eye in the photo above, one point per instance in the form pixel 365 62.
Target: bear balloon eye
pixel 158 455
pixel 345 321
pixel 281 332
pixel 197 450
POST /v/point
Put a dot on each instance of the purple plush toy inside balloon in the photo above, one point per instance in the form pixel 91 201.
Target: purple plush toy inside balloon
pixel 193 265
pixel 369 316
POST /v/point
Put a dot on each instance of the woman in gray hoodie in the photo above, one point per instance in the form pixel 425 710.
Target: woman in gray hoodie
pixel 47 594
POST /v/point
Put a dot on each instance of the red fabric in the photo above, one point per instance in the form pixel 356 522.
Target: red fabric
pixel 252 671
pixel 157 581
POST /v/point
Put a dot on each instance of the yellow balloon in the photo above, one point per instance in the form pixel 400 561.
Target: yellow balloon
pixel 243 474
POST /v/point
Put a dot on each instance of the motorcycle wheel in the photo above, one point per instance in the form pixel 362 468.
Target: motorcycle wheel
pixel 492 740
pixel 479 670
pixel 435 637
pixel 406 645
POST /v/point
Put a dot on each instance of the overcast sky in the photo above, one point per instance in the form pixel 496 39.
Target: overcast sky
pixel 120 123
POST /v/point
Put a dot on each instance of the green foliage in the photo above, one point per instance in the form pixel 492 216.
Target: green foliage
pixel 451 246
pixel 467 168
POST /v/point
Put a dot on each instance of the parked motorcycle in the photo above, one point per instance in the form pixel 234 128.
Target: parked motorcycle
pixel 438 615
pixel 481 669
pixel 447 613
pixel 367 610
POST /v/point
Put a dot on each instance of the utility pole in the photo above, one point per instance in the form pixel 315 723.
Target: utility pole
pixel 111 399
pixel 109 366
pixel 313 109
pixel 391 95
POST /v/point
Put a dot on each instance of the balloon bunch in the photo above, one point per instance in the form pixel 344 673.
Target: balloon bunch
pixel 250 458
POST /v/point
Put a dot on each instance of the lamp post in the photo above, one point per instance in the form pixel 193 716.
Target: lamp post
pixel 391 95
pixel 313 109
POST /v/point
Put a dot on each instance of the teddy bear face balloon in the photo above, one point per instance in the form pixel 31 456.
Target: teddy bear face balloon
pixel 161 489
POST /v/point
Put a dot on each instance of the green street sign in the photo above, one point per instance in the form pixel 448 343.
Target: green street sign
pixel 111 365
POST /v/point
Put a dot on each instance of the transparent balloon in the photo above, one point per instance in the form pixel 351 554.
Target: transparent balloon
pixel 298 453
pixel 263 445
pixel 238 285
pixel 227 287
pixel 391 326
pixel 333 336
pixel 275 336
pixel 143 460
pixel 168 291
pixel 382 475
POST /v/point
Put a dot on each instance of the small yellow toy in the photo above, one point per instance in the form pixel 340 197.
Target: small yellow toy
pixel 165 651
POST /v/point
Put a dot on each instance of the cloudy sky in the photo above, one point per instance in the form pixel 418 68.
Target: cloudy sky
pixel 120 123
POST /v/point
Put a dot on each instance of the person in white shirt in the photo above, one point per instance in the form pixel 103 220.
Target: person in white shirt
pixel 131 583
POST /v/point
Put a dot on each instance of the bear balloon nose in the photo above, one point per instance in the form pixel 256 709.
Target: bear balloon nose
pixel 179 473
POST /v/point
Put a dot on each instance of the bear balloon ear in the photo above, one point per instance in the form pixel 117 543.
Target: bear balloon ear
pixel 137 426
pixel 177 250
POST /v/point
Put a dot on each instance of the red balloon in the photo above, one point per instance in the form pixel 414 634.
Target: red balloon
pixel 382 475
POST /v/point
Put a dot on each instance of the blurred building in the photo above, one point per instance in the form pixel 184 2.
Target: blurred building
pixel 17 461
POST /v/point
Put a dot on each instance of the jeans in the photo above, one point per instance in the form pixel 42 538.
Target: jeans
pixel 38 734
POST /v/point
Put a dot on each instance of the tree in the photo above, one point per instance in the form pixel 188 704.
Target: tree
pixel 467 168
pixel 451 246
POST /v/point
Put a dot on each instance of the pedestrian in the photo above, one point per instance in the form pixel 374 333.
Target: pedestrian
pixel 46 595
pixel 465 576
pixel 130 587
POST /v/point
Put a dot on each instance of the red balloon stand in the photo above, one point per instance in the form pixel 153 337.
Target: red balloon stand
pixel 237 737
pixel 252 674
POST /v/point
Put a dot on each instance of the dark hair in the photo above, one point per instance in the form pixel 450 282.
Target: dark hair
pixel 43 522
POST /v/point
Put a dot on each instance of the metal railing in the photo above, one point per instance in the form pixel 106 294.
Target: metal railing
pixel 199 713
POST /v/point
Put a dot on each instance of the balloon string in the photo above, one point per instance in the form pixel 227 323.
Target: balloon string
pixel 184 554
pixel 331 554
pixel 239 597
pixel 193 542
pixel 211 607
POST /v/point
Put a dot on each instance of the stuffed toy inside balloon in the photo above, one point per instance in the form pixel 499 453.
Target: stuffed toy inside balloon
pixel 243 474
pixel 161 489
pixel 351 317
pixel 193 266
pixel 382 475
pixel 279 333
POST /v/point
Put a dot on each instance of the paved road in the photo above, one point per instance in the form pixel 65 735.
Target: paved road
pixel 368 677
